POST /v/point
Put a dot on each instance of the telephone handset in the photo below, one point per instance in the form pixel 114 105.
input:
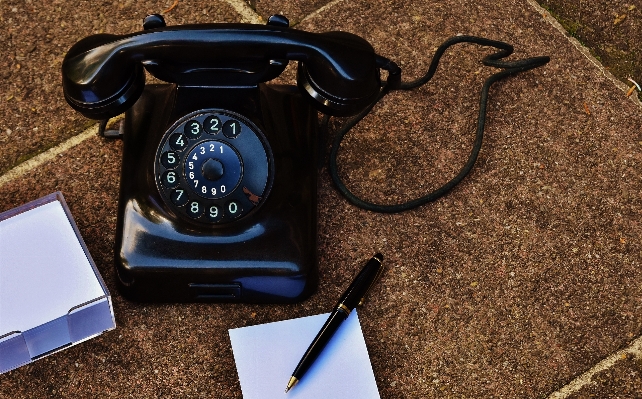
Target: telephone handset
pixel 219 174
pixel 103 74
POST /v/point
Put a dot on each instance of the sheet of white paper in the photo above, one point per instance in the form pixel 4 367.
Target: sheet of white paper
pixel 267 354
pixel 44 271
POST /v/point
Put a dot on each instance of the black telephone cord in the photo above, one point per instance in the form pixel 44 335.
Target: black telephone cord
pixel 394 83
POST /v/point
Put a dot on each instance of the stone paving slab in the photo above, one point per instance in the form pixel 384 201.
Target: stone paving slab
pixel 624 380
pixel 547 262
pixel 521 279
pixel 35 37
pixel 616 376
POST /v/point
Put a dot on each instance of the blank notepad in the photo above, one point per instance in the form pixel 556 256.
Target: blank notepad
pixel 44 271
pixel 51 294
pixel 267 354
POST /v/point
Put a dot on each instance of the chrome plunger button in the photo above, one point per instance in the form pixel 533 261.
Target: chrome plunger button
pixel 213 169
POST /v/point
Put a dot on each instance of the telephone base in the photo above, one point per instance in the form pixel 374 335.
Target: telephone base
pixel 266 256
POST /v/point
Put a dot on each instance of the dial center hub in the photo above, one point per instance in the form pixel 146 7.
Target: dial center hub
pixel 212 169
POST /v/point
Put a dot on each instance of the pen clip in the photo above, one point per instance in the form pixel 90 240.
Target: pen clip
pixel 374 280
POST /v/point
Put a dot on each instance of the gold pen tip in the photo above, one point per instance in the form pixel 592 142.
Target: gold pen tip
pixel 291 383
pixel 379 257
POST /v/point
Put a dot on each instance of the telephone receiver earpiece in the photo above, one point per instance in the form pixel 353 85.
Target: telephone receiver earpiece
pixel 104 94
pixel 103 74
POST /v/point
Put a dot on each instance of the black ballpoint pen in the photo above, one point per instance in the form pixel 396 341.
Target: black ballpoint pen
pixel 354 295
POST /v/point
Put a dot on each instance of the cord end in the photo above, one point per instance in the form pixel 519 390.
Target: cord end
pixel 394 72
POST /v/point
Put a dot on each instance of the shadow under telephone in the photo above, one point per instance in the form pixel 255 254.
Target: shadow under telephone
pixel 219 175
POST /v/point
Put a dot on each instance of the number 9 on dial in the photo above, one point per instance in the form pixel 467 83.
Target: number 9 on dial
pixel 214 213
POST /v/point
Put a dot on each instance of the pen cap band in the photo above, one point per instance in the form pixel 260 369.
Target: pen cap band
pixel 344 309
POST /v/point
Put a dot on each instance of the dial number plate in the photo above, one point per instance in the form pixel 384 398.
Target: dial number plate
pixel 213 167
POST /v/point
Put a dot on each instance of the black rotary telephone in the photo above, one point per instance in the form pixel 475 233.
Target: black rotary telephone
pixel 219 173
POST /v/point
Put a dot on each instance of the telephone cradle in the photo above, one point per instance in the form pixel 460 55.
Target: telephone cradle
pixel 218 196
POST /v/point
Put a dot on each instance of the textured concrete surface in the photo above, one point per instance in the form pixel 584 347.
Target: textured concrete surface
pixel 514 285
pixel 621 381
pixel 36 36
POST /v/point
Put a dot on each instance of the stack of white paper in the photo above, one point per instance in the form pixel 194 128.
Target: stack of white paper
pixel 267 354
pixel 51 295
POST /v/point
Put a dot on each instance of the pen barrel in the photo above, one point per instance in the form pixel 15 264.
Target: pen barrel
pixel 320 341
pixel 350 299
